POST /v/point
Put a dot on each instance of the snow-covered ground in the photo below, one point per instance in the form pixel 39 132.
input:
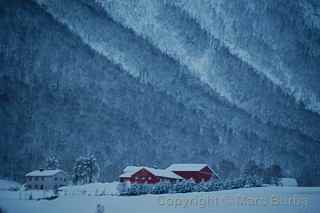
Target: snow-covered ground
pixel 90 189
pixel 250 200
pixel 9 185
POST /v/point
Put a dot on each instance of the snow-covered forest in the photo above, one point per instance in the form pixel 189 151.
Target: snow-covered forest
pixel 153 82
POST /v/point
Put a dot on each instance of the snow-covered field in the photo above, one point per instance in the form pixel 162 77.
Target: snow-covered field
pixel 250 200
pixel 91 189
pixel 8 185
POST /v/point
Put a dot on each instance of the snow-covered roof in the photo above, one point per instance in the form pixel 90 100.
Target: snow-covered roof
pixel 131 170
pixel 164 173
pixel 187 167
pixel 288 182
pixel 43 172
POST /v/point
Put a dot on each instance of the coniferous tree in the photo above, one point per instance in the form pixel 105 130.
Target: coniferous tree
pixel 272 174
pixel 133 189
pixel 253 174
pixel 52 162
pixel 251 169
pixel 86 170
pixel 161 188
pixel 227 169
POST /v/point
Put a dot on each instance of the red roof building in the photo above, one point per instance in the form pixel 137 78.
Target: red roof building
pixel 133 174
pixel 195 172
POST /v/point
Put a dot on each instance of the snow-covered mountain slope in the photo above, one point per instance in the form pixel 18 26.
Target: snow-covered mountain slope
pixel 111 77
pixel 176 33
pixel 276 38
pixel 179 38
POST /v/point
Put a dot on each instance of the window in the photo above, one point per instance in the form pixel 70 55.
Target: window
pixel 64 180
pixel 149 178
pixel 36 178
pixel 42 178
pixel 36 186
pixel 143 178
pixel 137 178
pixel 41 187
pixel 55 178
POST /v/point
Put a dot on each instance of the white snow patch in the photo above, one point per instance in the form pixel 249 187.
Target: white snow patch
pixel 262 200
pixel 9 185
pixel 90 189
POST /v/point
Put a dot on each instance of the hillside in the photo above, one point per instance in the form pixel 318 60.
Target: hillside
pixel 156 82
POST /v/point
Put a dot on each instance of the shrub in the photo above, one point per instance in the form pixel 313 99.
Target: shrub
pixel 161 188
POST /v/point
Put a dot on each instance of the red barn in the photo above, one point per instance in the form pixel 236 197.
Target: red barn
pixel 196 172
pixel 133 174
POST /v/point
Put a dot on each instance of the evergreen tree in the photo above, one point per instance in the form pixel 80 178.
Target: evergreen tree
pixel 178 186
pixel 272 174
pixel 228 169
pixel 253 174
pixel 52 162
pixel 276 170
pixel 133 189
pixel 162 188
pixel 146 188
pixel 239 183
pixel 216 185
pixel 309 176
pixel 86 170
pixel 184 186
pixel 201 187
pixel 253 181
pixel 228 184
pixel 251 169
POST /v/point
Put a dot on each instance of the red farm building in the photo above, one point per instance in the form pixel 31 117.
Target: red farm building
pixel 195 172
pixel 133 174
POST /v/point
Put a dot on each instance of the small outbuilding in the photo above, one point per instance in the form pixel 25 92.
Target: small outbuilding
pixel 288 182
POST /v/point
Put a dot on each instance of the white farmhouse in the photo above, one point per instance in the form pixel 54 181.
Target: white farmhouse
pixel 46 179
